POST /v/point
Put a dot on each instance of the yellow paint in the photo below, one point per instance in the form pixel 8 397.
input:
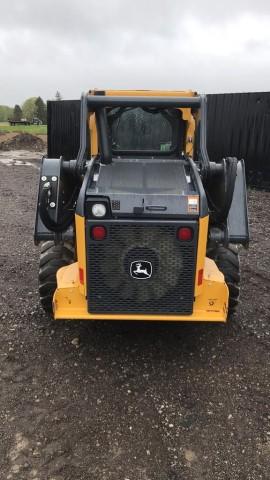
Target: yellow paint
pixel 150 93
pixel 93 134
pixel 210 306
pixel 81 250
pixel 201 251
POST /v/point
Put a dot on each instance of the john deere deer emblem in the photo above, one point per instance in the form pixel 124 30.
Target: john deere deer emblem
pixel 141 269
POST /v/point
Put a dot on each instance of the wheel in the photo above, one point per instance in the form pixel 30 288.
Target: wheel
pixel 52 257
pixel 220 191
pixel 227 260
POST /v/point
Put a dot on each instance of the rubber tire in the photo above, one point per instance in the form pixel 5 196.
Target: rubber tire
pixel 52 257
pixel 227 260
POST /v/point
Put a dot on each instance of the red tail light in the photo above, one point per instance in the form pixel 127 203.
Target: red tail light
pixel 81 276
pixel 200 276
pixel 98 232
pixel 185 234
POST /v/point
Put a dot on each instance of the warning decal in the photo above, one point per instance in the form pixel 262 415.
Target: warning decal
pixel 193 204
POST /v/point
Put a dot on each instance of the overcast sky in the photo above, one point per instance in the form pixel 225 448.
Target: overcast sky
pixel 72 46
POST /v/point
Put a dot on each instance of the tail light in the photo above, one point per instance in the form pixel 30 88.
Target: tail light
pixel 81 276
pixel 200 276
pixel 185 234
pixel 98 232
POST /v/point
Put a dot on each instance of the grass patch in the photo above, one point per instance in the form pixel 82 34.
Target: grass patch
pixel 32 129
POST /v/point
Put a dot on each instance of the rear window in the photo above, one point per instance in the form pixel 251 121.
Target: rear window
pixel 145 131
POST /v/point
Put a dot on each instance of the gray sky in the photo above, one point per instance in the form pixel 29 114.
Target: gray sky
pixel 71 46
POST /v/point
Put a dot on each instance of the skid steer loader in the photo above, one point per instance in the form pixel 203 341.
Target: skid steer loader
pixel 142 225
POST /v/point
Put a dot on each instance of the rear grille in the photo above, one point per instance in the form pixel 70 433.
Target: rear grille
pixel 112 289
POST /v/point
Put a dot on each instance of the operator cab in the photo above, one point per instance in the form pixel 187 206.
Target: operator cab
pixel 149 175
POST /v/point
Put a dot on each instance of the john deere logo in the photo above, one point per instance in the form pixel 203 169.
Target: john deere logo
pixel 141 269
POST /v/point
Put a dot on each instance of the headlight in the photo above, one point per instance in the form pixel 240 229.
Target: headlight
pixel 99 210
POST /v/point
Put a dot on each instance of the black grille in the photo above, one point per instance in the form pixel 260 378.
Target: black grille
pixel 112 289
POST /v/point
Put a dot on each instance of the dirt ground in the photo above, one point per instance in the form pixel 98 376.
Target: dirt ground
pixel 22 141
pixel 128 401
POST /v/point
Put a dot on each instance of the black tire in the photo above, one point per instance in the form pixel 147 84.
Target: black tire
pixel 52 257
pixel 227 260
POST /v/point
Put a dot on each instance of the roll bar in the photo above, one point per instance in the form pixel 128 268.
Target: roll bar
pixel 103 101
pixel 99 102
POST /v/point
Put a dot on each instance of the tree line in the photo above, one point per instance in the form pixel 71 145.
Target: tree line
pixel 32 107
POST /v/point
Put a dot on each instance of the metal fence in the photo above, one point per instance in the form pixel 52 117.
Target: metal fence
pixel 63 128
pixel 238 125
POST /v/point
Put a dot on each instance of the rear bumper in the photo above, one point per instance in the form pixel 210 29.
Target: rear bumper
pixel 210 306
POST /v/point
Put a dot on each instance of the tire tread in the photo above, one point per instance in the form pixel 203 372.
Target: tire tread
pixel 227 260
pixel 52 257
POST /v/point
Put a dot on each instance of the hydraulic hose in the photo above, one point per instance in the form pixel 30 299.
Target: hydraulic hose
pixel 49 223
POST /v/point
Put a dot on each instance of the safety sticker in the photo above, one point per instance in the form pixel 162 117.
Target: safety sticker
pixel 193 204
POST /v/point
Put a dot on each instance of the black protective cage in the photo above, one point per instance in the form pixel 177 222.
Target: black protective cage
pixel 99 102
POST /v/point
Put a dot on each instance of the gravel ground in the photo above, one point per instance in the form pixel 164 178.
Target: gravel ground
pixel 129 401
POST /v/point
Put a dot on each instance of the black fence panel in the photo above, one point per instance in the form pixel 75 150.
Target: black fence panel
pixel 63 128
pixel 239 125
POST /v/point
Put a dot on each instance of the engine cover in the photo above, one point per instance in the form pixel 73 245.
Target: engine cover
pixel 146 187
pixel 141 267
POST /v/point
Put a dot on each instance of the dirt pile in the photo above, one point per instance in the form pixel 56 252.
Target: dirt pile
pixel 23 141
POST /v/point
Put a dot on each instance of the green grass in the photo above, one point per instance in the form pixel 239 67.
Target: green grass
pixel 33 129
